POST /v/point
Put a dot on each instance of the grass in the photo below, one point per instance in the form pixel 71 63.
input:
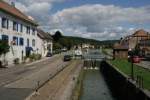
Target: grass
pixel 107 51
pixel 125 67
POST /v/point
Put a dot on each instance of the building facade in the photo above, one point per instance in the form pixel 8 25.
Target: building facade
pixel 140 39
pixel 45 43
pixel 19 30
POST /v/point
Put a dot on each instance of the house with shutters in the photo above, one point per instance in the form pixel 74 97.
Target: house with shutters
pixel 19 30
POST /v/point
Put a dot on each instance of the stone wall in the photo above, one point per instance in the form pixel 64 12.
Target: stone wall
pixel 122 87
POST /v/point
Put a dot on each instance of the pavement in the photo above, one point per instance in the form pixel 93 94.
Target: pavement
pixel 18 82
pixel 144 64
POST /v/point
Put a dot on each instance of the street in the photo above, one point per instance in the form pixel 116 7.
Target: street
pixel 18 82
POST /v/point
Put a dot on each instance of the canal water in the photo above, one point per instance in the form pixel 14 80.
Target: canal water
pixel 95 87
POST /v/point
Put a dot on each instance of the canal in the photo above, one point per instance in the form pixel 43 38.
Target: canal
pixel 95 87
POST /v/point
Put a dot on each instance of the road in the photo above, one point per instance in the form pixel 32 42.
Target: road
pixel 18 82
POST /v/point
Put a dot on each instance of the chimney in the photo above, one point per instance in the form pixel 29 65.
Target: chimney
pixel 13 4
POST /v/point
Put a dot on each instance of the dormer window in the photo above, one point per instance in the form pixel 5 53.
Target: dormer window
pixel 15 26
pixel 5 23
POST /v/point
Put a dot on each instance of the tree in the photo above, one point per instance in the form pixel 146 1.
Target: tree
pixel 56 46
pixel 4 48
pixel 57 36
pixel 66 42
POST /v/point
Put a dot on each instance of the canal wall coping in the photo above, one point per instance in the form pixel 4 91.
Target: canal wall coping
pixel 121 85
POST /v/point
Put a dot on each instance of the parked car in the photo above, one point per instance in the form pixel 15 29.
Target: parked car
pixel 67 58
pixel 136 59
pixel 78 53
pixel 49 54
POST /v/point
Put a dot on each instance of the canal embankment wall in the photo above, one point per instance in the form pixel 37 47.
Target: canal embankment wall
pixel 121 86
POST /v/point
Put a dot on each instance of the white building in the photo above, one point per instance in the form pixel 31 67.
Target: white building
pixel 44 42
pixel 19 30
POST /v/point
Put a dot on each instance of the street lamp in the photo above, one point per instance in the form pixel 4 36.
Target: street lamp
pixel 130 59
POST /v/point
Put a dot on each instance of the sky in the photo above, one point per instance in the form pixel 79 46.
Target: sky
pixel 96 19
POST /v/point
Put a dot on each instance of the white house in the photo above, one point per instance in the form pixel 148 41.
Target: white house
pixel 44 42
pixel 19 30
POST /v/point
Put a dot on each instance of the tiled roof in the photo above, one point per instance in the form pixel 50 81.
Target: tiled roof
pixel 43 35
pixel 15 12
pixel 120 47
pixel 141 32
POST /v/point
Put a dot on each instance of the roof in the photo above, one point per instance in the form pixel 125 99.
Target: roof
pixel 118 46
pixel 43 35
pixel 141 33
pixel 15 12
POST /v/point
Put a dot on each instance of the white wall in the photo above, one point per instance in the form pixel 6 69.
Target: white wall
pixel 10 32
pixel 42 46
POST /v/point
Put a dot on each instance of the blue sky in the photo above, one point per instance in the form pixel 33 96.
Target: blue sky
pixel 97 19
pixel 122 3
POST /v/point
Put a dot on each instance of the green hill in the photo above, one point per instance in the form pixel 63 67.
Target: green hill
pixel 61 41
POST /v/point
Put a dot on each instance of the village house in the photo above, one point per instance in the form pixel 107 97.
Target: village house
pixel 44 42
pixel 140 38
pixel 19 30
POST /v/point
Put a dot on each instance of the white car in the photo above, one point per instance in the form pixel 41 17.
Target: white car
pixel 78 53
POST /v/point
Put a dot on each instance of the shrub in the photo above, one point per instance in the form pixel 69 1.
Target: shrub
pixel 4 47
pixel 38 56
pixel 16 61
pixel 35 56
pixel 1 64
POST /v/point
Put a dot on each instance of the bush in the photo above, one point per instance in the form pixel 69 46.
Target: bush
pixel 4 47
pixel 35 56
pixel 16 61
pixel 38 56
pixel 1 64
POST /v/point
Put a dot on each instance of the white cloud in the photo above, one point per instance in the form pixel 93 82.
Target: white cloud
pixel 38 9
pixel 99 21
pixel 93 21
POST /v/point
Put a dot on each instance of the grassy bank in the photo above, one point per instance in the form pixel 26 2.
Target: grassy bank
pixel 125 66
pixel 78 88
pixel 107 51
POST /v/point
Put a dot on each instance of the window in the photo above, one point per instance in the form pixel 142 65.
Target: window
pixel 15 26
pixel 28 42
pixel 33 43
pixel 21 28
pixel 5 23
pixel 28 30
pixel 5 38
pixel 21 42
pixel 15 40
pixel 33 31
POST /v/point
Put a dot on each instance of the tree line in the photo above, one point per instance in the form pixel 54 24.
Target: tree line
pixel 61 41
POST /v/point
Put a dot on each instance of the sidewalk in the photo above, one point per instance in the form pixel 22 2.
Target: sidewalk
pixel 30 63
pixel 144 64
